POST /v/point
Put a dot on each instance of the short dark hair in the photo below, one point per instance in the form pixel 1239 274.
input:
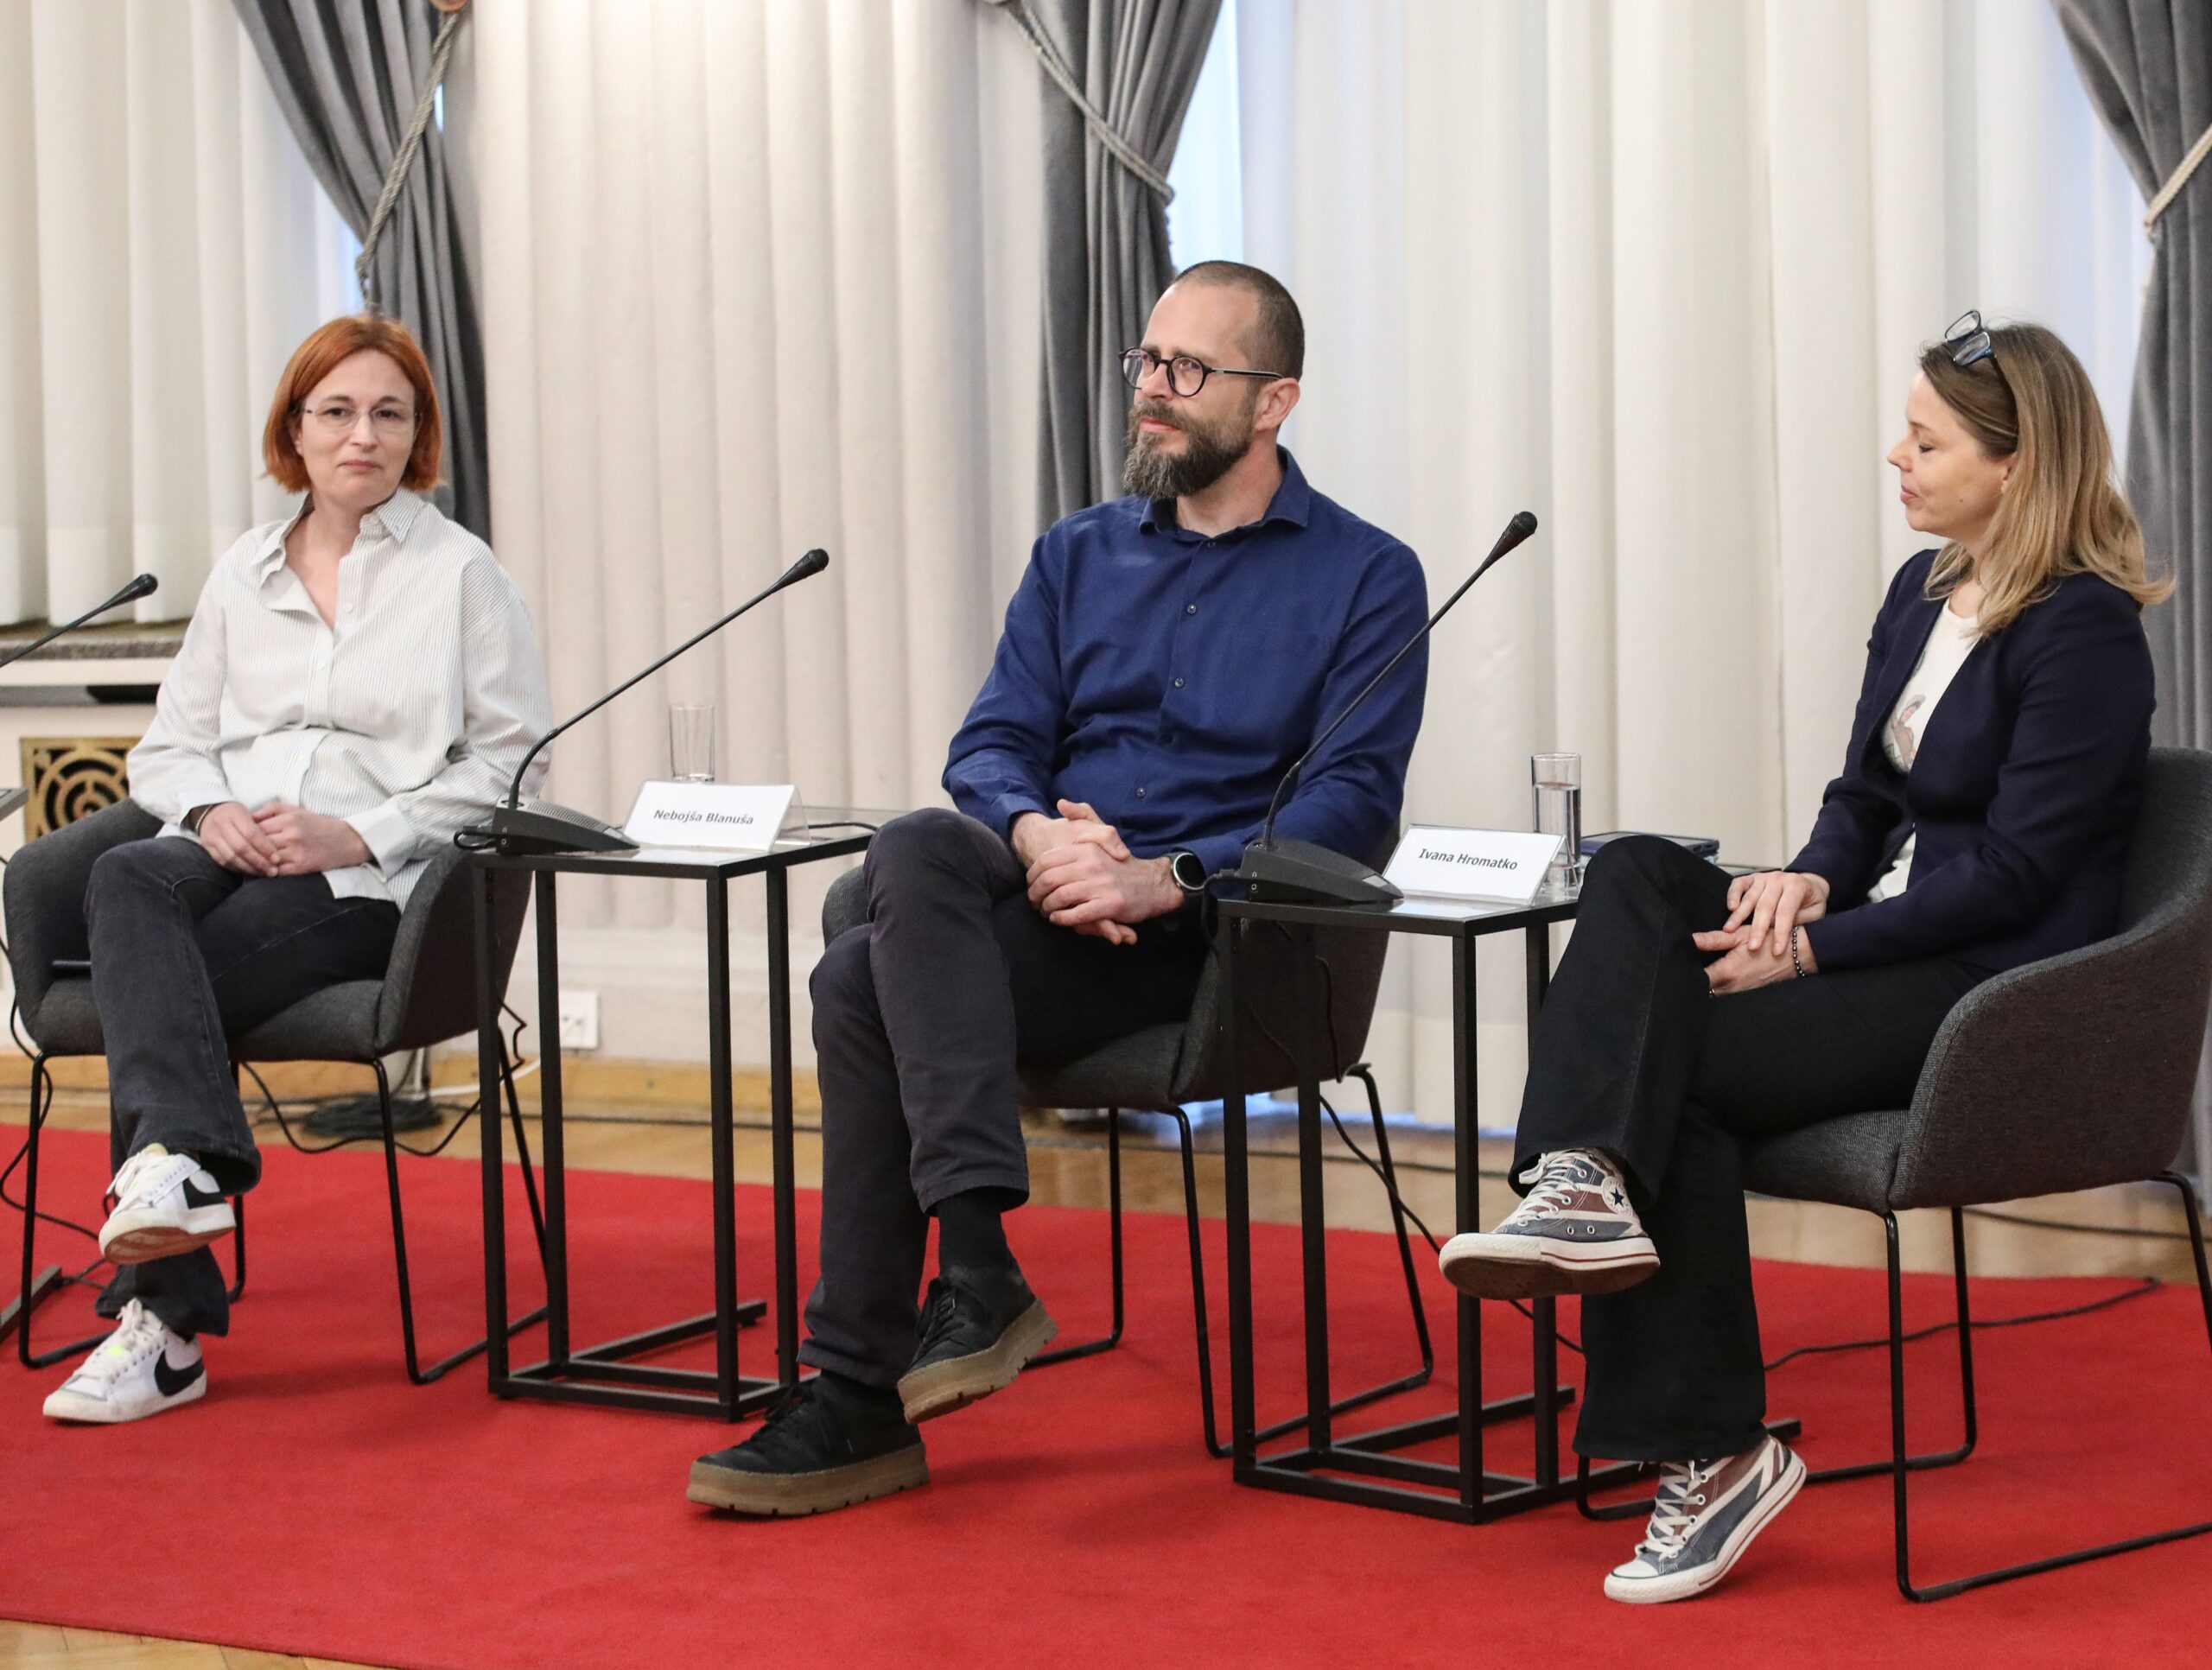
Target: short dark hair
pixel 1278 338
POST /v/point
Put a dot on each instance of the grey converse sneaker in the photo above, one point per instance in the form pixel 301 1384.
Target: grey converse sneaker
pixel 1575 1233
pixel 1706 1513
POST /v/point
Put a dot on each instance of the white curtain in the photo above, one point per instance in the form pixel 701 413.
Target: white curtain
pixel 1657 271
pixel 162 250
pixel 759 276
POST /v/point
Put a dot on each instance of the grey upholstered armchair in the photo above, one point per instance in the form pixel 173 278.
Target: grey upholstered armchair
pixel 426 996
pixel 2072 1073
pixel 1162 1068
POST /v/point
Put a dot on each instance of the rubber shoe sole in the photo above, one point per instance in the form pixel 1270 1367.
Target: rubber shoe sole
pixel 68 1405
pixel 139 1237
pixel 1681 1585
pixel 1537 1266
pixel 954 1384
pixel 788 1495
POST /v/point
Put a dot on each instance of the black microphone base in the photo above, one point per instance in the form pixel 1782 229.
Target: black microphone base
pixel 1300 872
pixel 540 826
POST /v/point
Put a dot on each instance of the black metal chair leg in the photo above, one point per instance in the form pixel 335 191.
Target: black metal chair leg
pixel 1900 1470
pixel 1361 1072
pixel 416 1372
pixel 522 1152
pixel 1092 1348
pixel 40 1285
pixel 1919 1463
pixel 237 1249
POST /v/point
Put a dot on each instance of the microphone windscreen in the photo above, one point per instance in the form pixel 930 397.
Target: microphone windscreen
pixel 810 565
pixel 143 585
pixel 1524 524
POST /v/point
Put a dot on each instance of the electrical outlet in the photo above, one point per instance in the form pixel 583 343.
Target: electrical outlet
pixel 579 1020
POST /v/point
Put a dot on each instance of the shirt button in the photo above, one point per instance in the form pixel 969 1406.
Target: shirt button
pixel 1179 683
pixel 1140 794
pixel 1190 608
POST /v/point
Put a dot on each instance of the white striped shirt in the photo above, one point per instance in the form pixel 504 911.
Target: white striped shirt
pixel 406 719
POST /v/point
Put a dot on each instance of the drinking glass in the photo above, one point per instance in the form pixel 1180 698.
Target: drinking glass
pixel 1555 786
pixel 691 742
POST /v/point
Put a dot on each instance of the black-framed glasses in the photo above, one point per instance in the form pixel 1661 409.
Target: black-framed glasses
pixel 1186 374
pixel 1968 339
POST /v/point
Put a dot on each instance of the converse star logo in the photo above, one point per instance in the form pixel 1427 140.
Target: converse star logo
pixel 1615 1196
pixel 169 1381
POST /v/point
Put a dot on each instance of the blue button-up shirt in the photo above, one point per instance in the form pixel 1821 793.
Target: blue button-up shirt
pixel 1169 678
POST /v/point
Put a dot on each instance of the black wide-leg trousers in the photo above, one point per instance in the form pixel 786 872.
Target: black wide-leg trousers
pixel 920 1016
pixel 187 955
pixel 1632 1055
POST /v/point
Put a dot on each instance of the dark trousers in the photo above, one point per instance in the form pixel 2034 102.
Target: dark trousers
pixel 919 1018
pixel 1632 1055
pixel 186 955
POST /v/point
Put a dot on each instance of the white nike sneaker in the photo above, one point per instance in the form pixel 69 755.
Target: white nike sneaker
pixel 165 1204
pixel 142 1368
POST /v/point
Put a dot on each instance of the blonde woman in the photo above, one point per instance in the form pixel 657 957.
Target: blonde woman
pixel 1981 820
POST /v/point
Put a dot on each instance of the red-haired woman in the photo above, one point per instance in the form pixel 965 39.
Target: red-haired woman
pixel 359 681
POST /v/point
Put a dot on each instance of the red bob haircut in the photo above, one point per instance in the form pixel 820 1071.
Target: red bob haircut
pixel 316 358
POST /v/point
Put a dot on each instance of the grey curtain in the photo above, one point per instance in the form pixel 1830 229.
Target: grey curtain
pixel 2147 64
pixel 1106 257
pixel 347 74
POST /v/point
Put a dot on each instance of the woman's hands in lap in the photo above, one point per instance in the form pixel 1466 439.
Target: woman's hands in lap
pixel 1764 913
pixel 308 843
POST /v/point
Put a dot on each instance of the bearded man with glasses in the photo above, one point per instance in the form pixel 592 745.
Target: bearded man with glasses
pixel 1165 659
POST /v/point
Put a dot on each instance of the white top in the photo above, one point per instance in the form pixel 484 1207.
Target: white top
pixel 1949 642
pixel 406 719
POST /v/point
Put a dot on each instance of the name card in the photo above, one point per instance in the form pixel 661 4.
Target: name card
pixel 724 816
pixel 1499 864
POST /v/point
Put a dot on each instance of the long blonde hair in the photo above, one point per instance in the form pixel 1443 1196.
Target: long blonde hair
pixel 2061 512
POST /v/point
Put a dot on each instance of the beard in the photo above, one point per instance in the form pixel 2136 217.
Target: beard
pixel 1209 451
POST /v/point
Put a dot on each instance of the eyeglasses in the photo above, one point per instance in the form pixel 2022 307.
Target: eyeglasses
pixel 1185 375
pixel 337 418
pixel 1968 340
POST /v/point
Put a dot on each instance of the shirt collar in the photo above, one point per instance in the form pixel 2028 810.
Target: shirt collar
pixel 1292 505
pixel 397 514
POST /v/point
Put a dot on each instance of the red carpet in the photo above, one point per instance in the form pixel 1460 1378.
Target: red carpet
pixel 316 1503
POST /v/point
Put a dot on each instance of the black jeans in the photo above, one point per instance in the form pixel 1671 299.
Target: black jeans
pixel 1634 1056
pixel 919 1018
pixel 186 955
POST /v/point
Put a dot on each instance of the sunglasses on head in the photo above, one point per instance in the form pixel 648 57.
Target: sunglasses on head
pixel 1968 339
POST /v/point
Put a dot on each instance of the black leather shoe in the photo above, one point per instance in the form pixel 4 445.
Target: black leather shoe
pixel 819 1450
pixel 979 1328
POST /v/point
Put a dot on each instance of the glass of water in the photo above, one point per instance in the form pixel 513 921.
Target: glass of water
pixel 1555 786
pixel 691 742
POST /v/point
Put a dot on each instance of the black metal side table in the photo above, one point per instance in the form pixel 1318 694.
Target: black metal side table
pixel 1364 1468
pixel 604 1374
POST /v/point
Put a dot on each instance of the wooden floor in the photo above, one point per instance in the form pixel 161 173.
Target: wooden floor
pixel 659 1132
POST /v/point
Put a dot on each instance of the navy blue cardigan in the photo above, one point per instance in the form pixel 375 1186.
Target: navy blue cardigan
pixel 2023 792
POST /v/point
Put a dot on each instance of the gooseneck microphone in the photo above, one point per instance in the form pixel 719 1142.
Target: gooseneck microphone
pixel 144 586
pixel 1304 872
pixel 543 826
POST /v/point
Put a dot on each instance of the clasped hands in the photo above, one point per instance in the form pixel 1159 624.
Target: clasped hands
pixel 1081 876
pixel 280 838
pixel 1765 911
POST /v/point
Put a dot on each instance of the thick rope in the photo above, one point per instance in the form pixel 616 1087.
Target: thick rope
pixel 403 160
pixel 1058 68
pixel 2172 189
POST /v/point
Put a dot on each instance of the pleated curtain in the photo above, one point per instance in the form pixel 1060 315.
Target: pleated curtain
pixel 163 248
pixel 1659 273
pixel 759 276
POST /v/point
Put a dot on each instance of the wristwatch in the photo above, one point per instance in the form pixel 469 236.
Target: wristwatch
pixel 1189 874
pixel 192 819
